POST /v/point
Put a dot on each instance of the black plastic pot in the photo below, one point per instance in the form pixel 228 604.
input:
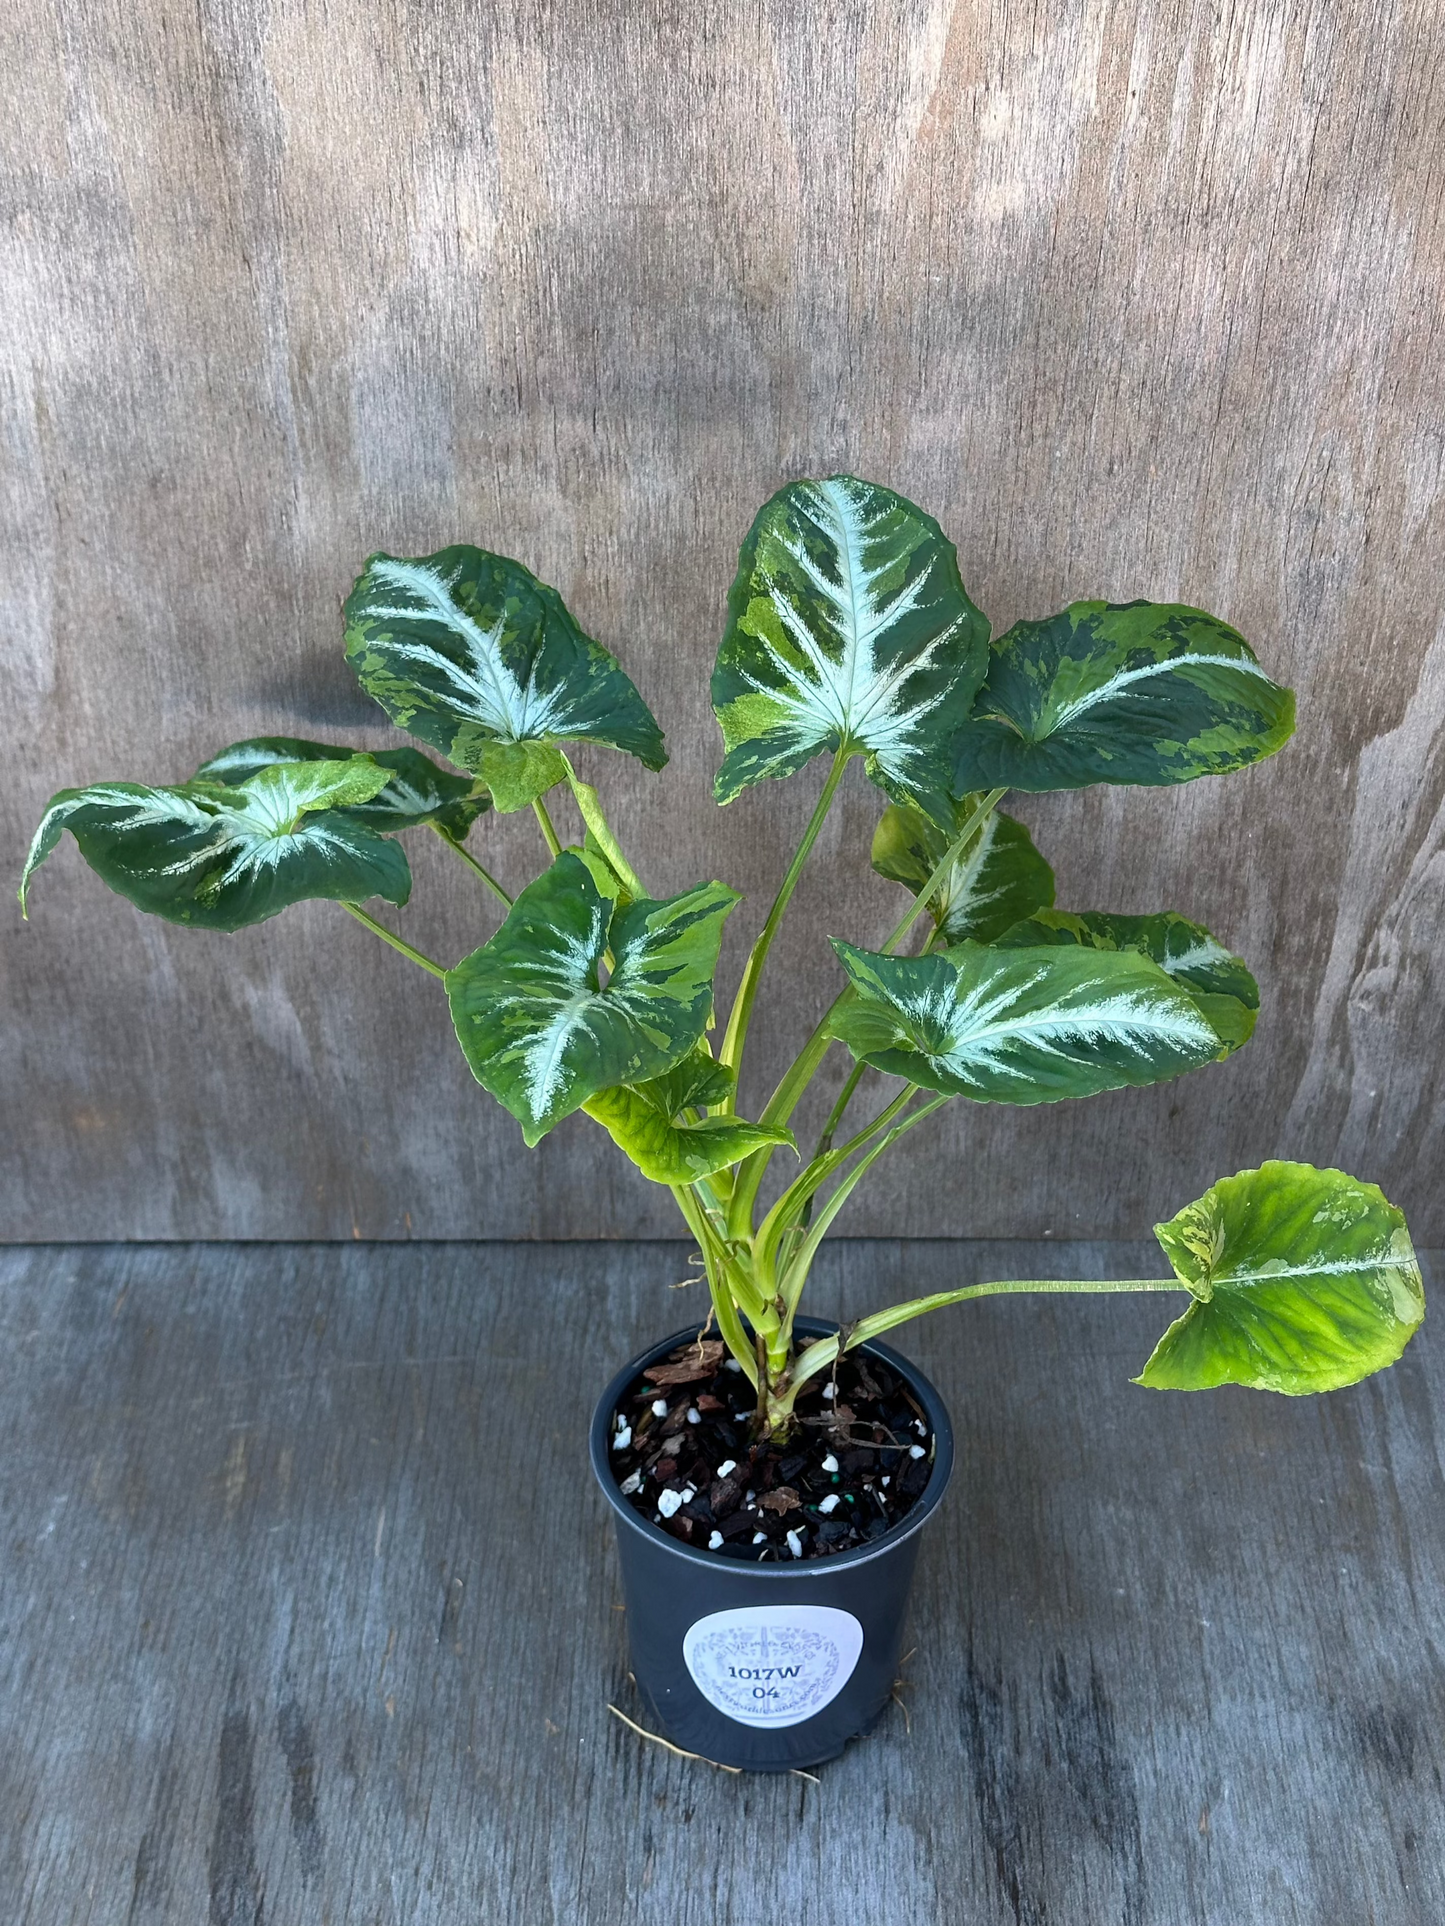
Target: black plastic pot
pixel 766 1666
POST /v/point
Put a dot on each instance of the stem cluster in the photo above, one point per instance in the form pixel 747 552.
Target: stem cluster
pixel 758 1261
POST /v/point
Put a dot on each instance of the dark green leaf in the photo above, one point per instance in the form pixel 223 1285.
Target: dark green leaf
pixel 1121 692
pixel 1302 1279
pixel 540 1028
pixel 847 623
pixel 417 792
pixel 1020 1026
pixel 220 856
pixel 997 878
pixel 1219 982
pixel 470 652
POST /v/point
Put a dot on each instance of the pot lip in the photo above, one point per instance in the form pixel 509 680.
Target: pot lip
pixel 804 1569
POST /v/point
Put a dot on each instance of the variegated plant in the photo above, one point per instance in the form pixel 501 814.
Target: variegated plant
pixel 849 633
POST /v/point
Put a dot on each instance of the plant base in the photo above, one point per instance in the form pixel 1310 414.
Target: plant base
pixel 766 1667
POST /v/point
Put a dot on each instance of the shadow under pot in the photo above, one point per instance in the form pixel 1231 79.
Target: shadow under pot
pixel 766 1666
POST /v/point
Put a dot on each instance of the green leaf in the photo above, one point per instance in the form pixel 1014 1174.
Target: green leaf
pixel 997 879
pixel 1020 1026
pixel 1219 982
pixel 470 652
pixel 417 792
pixel 847 623
pixel 694 1084
pixel 1302 1279
pixel 538 1025
pixel 218 857
pixel 1122 692
pixel 517 773
pixel 648 1121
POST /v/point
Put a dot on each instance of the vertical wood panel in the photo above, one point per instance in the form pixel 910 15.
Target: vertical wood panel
pixel 1139 300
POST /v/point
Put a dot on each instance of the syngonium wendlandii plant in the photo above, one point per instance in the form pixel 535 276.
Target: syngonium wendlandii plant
pixel 849 633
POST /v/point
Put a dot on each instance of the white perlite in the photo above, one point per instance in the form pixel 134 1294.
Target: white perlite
pixel 827 1391
pixel 729 1466
pixel 659 1407
pixel 694 1416
pixel 733 1365
pixel 760 1538
pixel 623 1438
pixel 795 1544
pixel 830 1463
pixel 916 1451
pixel 669 1503
pixel 830 1503
pixel 714 1541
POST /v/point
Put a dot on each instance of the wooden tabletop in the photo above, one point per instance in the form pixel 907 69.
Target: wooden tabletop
pixel 309 1614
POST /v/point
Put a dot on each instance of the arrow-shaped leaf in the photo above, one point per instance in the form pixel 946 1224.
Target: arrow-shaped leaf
pixel 1020 1026
pixel 1121 692
pixel 218 857
pixel 650 1121
pixel 997 879
pixel 417 792
pixel 538 1024
pixel 1302 1279
pixel 847 624
pixel 470 652
pixel 1219 982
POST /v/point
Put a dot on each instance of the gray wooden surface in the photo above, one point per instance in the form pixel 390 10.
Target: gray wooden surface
pixel 309 1616
pixel 1140 299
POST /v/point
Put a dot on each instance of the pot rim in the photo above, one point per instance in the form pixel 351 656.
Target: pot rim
pixel 803 1568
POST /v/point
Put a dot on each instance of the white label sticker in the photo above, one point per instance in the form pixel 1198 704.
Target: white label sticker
pixel 773 1665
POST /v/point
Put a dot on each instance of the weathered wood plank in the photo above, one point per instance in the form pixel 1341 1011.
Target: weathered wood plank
pixel 1139 299
pixel 308 1614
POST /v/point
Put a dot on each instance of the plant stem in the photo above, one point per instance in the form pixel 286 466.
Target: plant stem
pixel 539 810
pixel 837 1113
pixel 380 929
pixel 736 1034
pixel 784 1100
pixel 590 810
pixel 801 1191
pixel 471 862
pixel 802 1263
pixel 819 1356
pixel 726 1310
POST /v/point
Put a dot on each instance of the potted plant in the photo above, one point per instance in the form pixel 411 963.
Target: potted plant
pixel 768 1473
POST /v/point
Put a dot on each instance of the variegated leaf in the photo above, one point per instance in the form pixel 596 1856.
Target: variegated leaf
pixel 1302 1279
pixel 416 792
pixel 847 625
pixel 997 878
pixel 220 856
pixel 1020 1026
pixel 538 1024
pixel 653 1123
pixel 472 653
pixel 1219 981
pixel 1120 692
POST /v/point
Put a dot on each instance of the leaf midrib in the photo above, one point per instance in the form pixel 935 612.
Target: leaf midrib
pixel 1122 677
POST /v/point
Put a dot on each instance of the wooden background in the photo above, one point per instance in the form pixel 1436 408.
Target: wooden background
pixel 1137 299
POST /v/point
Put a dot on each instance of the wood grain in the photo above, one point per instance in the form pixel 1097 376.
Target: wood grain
pixel 1137 299
pixel 311 1616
